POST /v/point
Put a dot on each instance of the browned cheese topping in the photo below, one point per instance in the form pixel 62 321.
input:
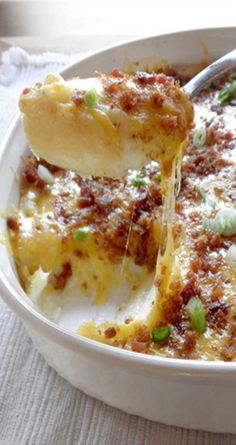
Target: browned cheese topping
pixel 116 210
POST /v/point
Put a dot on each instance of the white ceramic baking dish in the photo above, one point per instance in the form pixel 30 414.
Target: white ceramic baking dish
pixel 191 394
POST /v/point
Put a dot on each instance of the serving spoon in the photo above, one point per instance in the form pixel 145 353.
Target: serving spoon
pixel 219 67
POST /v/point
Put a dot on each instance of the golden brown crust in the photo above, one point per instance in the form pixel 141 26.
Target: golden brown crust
pixel 206 274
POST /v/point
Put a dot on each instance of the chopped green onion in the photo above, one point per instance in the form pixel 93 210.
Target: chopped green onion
pixel 223 223
pixel 199 137
pixel 138 182
pixel 201 194
pixel 230 257
pixel 45 174
pixel 161 334
pixel 227 93
pixel 232 77
pixel 196 313
pixel 81 234
pixel 38 85
pixel 157 177
pixel 142 174
pixel 91 98
pixel 213 225
pixel 208 200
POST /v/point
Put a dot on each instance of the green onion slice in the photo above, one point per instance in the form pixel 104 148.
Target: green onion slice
pixel 230 257
pixel 157 177
pixel 138 182
pixel 227 93
pixel 208 200
pixel 196 313
pixel 161 334
pixel 38 85
pixel 199 137
pixel 223 223
pixel 214 226
pixel 201 194
pixel 142 174
pixel 91 98
pixel 81 234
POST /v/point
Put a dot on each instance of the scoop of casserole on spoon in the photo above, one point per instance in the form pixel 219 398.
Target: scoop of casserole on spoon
pixel 108 124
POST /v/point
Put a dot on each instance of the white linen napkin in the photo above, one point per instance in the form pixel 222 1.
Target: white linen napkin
pixel 18 70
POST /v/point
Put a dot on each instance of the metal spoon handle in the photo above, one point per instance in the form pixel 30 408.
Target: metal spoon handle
pixel 221 66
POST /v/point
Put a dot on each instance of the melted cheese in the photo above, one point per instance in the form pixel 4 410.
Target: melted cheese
pixel 131 124
pixel 137 302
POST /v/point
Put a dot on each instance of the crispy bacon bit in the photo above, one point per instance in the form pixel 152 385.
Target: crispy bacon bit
pixel 26 91
pixel 78 97
pixel 172 309
pixel 142 340
pixel 198 264
pixel 214 240
pixel 217 293
pixel 138 346
pixel 110 332
pixel 190 193
pixel 146 78
pixel 110 87
pixel 155 193
pixel 228 352
pixel 169 123
pixel 209 241
pixel 157 100
pixel 40 184
pixel 143 335
pixel 12 224
pixel 117 73
pixel 179 207
pixel 216 136
pixel 218 191
pixel 162 78
pixel 200 244
pixel 204 161
pixel 79 254
pixel 190 338
pixel 84 201
pixel 190 290
pixel 60 280
pixel 30 171
pixel 217 315
pixel 128 100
